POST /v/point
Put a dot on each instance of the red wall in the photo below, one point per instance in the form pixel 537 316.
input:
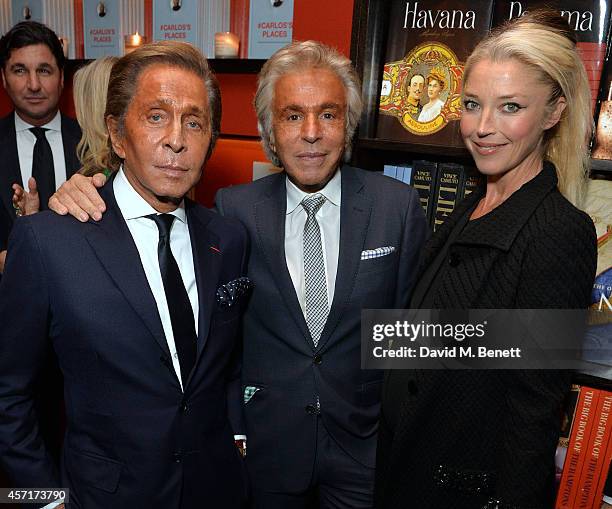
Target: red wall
pixel 327 21
pixel 231 163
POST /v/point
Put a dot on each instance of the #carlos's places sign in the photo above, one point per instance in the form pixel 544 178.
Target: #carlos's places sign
pixel 102 28
pixel 176 20
pixel 270 26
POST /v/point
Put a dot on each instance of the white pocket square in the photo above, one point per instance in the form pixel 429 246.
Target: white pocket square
pixel 368 254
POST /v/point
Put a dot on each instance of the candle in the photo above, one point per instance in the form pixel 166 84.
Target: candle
pixel 136 39
pixel 226 45
pixel 65 45
pixel 132 42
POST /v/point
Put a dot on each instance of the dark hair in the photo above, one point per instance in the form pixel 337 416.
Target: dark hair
pixel 127 70
pixel 30 33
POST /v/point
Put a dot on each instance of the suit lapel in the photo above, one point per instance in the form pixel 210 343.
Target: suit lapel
pixel 207 263
pixel 270 223
pixel 355 212
pixel 11 172
pixel 114 246
pixel 70 139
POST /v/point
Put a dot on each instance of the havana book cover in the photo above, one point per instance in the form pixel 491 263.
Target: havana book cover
pixel 427 44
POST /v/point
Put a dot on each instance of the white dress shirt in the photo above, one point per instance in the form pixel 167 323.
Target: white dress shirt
pixel 328 217
pixel 146 237
pixel 25 148
pixel 144 231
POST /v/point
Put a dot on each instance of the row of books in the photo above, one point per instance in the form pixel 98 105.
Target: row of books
pixel 430 40
pixel 584 452
pixel 441 186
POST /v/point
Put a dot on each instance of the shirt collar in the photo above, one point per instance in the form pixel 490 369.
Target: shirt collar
pixel 332 192
pixel 55 124
pixel 133 206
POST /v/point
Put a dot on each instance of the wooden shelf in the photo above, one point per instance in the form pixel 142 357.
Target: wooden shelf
pixel 236 65
pixel 372 154
pixel 601 166
pixel 218 65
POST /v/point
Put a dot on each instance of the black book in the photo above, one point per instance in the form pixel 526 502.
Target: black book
pixel 424 179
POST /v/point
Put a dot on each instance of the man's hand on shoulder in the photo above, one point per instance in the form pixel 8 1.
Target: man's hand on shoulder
pixel 79 197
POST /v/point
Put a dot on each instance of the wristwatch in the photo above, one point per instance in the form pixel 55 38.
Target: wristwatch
pixel 241 444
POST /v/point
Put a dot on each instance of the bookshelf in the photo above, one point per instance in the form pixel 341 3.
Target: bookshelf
pixel 368 47
pixel 371 28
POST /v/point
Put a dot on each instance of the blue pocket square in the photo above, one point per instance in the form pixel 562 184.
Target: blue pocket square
pixel 230 293
pixel 249 392
pixel 368 254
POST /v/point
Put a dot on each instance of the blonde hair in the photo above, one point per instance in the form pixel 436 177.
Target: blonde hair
pixel 543 41
pixel 297 57
pixel 90 85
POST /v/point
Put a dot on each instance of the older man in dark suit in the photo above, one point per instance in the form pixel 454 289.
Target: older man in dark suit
pixel 327 240
pixel 141 308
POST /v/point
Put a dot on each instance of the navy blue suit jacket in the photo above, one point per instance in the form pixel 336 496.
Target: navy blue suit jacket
pixel 279 355
pixel 133 438
pixel 10 172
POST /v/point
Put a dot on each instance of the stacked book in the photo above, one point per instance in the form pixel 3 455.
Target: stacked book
pixel 584 452
pixel 441 186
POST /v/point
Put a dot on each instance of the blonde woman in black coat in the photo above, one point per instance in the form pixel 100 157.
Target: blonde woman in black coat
pixel 486 439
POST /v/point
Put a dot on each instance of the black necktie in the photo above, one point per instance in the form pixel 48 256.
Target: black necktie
pixel 181 312
pixel 42 167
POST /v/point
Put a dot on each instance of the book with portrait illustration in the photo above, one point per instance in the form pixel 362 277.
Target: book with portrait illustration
pixel 428 42
pixel 590 20
pixel 602 143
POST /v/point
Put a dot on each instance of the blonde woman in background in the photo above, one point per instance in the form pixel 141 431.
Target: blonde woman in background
pixel 90 84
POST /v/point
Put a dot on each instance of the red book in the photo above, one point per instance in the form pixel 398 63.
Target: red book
pixel 595 452
pixel 605 472
pixel 583 422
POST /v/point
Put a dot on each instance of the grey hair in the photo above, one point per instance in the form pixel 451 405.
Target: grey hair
pixel 296 57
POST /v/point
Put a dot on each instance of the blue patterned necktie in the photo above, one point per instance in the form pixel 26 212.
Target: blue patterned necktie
pixel 316 307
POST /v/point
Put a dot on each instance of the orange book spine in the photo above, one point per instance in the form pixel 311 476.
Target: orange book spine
pixel 568 489
pixel 605 471
pixel 595 452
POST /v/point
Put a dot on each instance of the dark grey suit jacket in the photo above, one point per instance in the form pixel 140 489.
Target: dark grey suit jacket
pixel 279 356
pixel 10 172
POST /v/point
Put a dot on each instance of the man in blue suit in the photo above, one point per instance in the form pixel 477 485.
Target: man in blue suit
pixel 142 309
pixel 328 240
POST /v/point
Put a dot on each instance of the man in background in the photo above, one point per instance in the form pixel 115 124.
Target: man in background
pixel 37 142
